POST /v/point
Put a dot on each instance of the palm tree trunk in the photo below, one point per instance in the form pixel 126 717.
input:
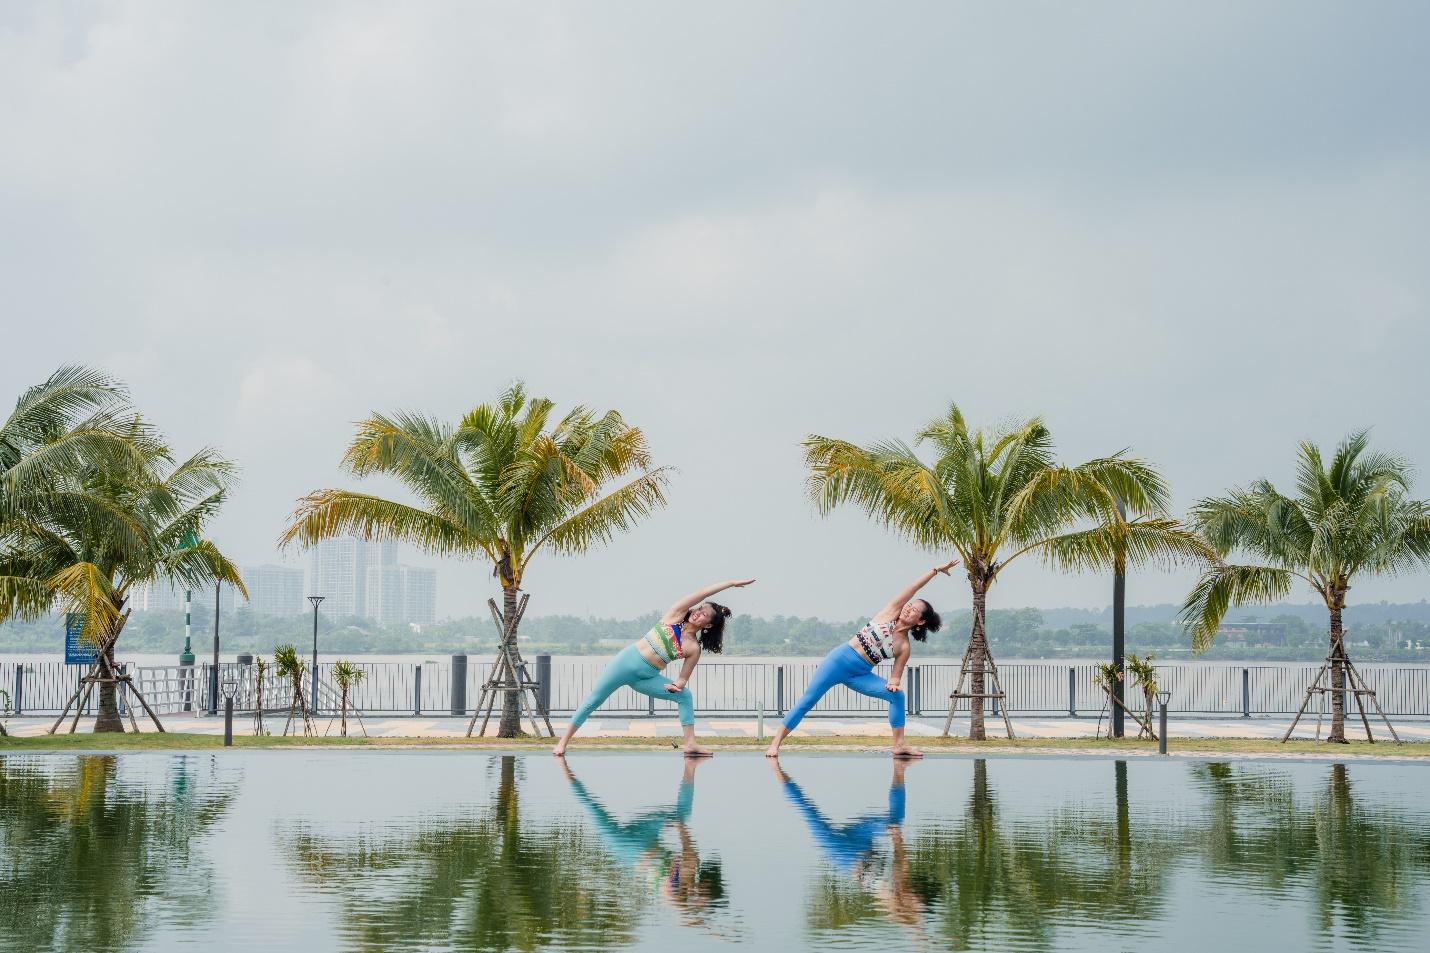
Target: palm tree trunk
pixel 107 718
pixel 344 716
pixel 1338 676
pixel 977 657
pixel 510 726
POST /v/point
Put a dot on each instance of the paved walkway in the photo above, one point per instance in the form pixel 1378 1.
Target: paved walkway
pixel 430 727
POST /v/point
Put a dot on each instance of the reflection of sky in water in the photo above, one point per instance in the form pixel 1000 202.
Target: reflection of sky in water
pixel 435 850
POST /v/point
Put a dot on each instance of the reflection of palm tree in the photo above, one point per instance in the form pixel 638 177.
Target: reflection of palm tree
pixel 691 885
pixel 855 891
pixel 1356 860
pixel 987 879
pixel 488 880
pixel 90 858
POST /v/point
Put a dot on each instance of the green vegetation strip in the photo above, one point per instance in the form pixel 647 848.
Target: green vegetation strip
pixel 173 741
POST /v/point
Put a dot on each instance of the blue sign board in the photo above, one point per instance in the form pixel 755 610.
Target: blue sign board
pixel 78 651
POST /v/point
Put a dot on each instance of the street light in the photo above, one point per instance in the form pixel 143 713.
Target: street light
pixel 230 688
pixel 1163 697
pixel 313 691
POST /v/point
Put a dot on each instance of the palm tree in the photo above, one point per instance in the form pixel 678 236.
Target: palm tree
pixel 1145 672
pixel 77 415
pixel 287 664
pixel 502 485
pixel 106 512
pixel 995 497
pixel 346 676
pixel 1353 517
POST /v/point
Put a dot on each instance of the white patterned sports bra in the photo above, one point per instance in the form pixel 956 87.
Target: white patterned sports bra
pixel 877 640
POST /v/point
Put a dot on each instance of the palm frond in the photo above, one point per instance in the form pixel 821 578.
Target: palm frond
pixel 1223 586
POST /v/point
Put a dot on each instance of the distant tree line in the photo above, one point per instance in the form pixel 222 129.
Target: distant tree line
pixel 1384 632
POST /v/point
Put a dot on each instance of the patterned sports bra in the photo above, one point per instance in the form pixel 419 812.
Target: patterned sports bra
pixel 659 638
pixel 877 641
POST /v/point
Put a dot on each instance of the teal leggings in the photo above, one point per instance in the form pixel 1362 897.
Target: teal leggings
pixel 629 669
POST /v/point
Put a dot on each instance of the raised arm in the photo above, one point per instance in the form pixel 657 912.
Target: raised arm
pixel 677 612
pixel 891 610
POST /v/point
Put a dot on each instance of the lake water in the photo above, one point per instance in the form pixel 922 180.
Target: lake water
pixel 448 850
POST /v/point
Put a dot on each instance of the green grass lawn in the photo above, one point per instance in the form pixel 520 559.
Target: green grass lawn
pixel 174 741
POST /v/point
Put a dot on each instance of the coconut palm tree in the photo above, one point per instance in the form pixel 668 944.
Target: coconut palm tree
pixel 287 664
pixel 346 676
pixel 1349 518
pixel 1145 672
pixel 109 511
pixel 76 416
pixel 502 485
pixel 995 497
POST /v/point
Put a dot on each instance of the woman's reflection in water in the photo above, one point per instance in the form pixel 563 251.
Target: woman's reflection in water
pixel 694 887
pixel 851 847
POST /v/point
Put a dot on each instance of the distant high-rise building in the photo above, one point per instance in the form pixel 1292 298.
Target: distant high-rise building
pixel 419 595
pixel 274 590
pixel 384 593
pixel 338 571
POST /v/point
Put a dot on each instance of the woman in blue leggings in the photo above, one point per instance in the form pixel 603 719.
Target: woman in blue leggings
pixel 689 626
pixel 852 664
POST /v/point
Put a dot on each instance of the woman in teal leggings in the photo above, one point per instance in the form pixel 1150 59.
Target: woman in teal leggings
pixel 687 627
pixel 852 663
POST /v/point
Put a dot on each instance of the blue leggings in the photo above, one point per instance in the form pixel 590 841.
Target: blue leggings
pixel 845 666
pixel 629 669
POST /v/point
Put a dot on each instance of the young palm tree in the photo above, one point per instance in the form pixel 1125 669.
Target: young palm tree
pixel 109 512
pixel 502 485
pixel 261 671
pixel 996 497
pixel 346 676
pixel 1352 517
pixel 1145 672
pixel 287 664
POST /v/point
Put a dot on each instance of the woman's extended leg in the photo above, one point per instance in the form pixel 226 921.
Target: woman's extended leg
pixel 839 666
pixel 654 686
pixel 628 666
pixel 874 686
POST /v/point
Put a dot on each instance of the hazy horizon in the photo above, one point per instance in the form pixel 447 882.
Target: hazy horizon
pixel 1193 231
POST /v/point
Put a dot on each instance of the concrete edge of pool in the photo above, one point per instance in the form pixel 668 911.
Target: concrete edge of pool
pixel 1200 748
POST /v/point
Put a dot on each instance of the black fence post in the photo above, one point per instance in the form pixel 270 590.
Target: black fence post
pixel 459 684
pixel 19 704
pixel 417 689
pixel 123 700
pixel 1246 693
pixel 780 689
pixel 543 681
pixel 1072 691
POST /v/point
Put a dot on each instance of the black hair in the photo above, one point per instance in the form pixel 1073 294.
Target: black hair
pixel 712 637
pixel 931 622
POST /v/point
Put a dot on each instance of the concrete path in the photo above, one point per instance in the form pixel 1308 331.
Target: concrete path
pixel 438 727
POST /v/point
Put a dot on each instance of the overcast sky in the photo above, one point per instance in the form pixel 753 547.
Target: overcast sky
pixel 1195 230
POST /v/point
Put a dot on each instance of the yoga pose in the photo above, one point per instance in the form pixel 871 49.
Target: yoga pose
pixel 852 664
pixel 680 876
pixel 851 847
pixel 689 626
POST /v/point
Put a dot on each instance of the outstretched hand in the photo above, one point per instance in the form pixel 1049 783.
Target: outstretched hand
pixel 946 566
pixel 740 583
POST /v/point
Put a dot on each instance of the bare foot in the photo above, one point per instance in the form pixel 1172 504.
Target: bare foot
pixel 904 751
pixel 695 751
pixel 559 751
pixel 773 751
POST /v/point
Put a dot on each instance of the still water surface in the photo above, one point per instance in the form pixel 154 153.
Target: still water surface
pixel 464 851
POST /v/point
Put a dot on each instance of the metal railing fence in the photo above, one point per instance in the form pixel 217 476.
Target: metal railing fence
pixel 731 688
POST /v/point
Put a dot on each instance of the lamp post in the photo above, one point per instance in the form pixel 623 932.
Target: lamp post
pixel 313 691
pixel 230 688
pixel 1163 697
